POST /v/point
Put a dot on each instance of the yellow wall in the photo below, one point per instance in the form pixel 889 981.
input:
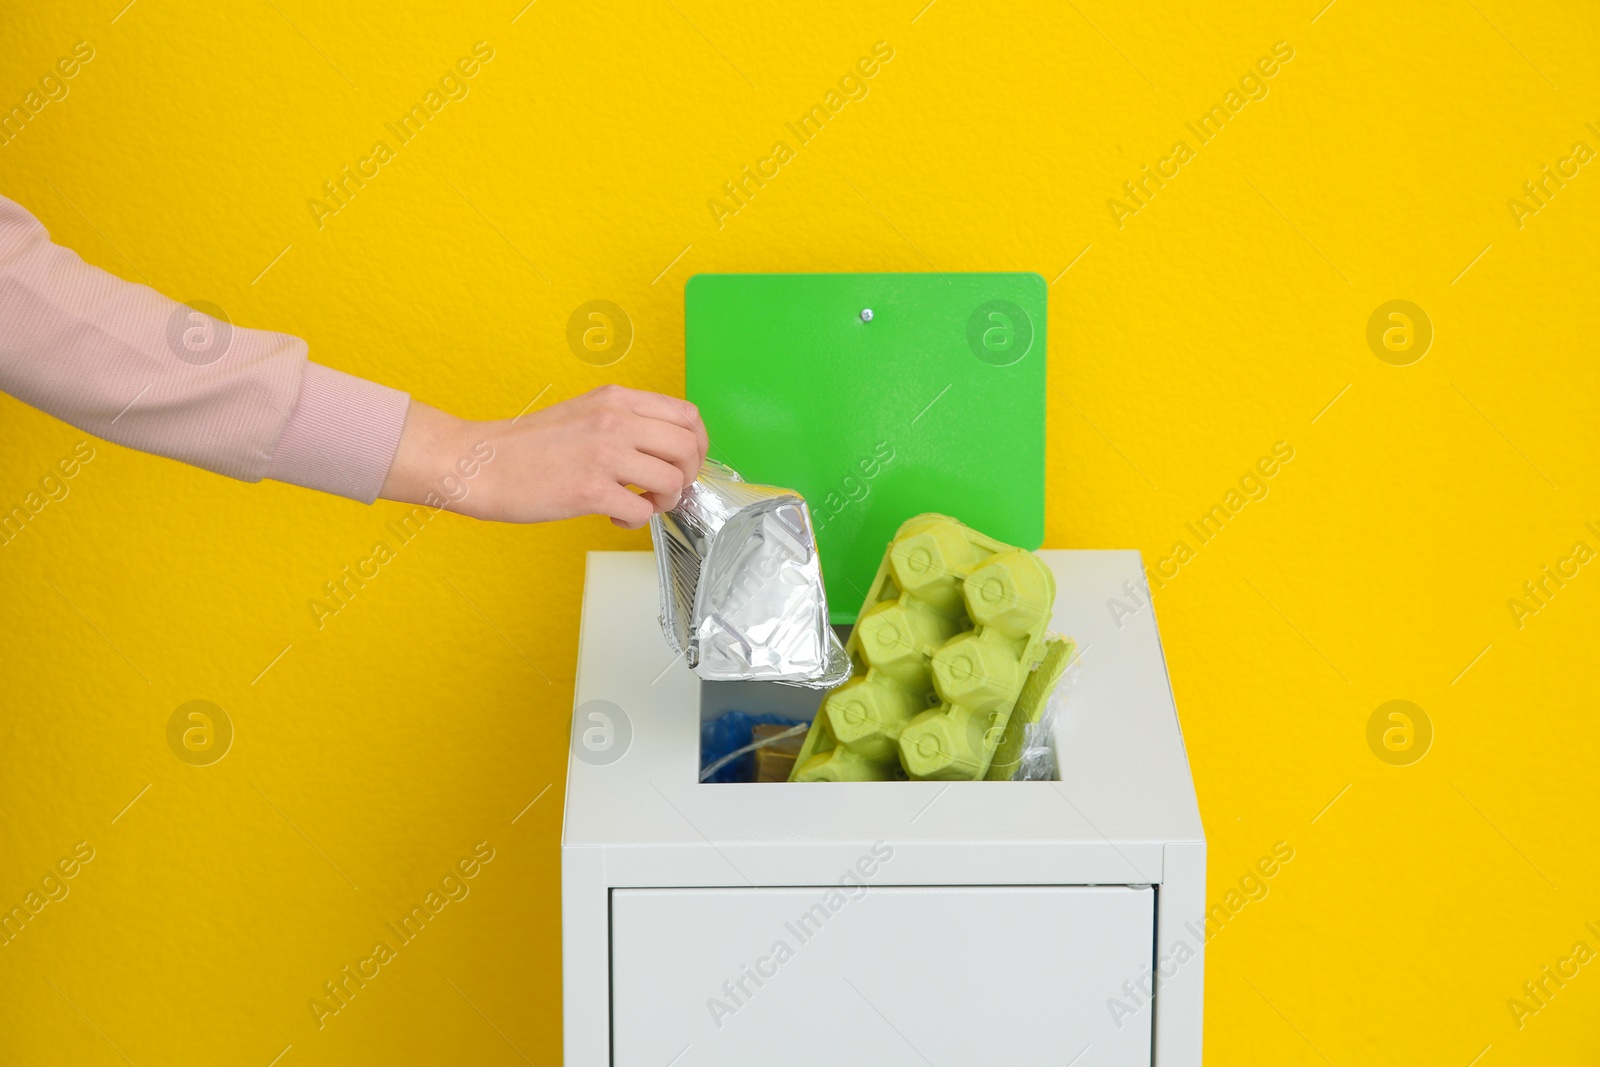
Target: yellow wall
pixel 1225 316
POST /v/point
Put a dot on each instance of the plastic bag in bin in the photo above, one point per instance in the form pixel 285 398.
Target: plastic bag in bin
pixel 742 597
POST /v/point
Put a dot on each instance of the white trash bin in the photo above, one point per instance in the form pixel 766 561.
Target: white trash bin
pixel 883 923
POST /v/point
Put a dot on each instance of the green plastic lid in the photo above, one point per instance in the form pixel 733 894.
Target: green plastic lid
pixel 877 397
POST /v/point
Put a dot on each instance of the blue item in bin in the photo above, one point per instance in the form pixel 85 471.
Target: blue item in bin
pixel 730 732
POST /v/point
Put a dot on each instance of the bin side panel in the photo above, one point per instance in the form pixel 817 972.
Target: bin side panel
pixel 1181 955
pixel 585 958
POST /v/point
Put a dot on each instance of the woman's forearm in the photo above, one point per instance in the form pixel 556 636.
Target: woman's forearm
pixel 125 363
pixel 425 468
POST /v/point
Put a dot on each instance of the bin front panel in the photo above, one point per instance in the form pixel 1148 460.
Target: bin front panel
pixel 892 975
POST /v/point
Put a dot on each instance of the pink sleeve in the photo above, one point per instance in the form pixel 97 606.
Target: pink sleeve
pixel 125 363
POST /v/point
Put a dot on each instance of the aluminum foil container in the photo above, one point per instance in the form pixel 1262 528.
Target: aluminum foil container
pixel 742 597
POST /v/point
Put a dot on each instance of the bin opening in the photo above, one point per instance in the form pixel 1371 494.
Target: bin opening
pixel 734 715
pixel 948 684
pixel 753 731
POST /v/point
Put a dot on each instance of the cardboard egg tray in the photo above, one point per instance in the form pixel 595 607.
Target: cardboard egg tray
pixel 952 629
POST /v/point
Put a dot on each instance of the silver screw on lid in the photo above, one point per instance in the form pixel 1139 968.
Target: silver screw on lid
pixel 866 314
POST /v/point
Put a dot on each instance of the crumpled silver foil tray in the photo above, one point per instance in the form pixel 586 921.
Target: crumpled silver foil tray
pixel 742 597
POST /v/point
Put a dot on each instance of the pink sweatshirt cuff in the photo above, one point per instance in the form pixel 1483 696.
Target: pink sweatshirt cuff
pixel 342 435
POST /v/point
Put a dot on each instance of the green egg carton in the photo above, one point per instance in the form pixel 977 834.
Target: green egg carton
pixel 951 630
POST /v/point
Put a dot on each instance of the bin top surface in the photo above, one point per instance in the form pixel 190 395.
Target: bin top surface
pixel 1125 779
pixel 876 397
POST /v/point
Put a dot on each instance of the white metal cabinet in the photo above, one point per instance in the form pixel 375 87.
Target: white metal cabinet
pixel 637 818
pixel 893 975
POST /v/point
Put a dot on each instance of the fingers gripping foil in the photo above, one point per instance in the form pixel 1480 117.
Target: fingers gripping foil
pixel 742 596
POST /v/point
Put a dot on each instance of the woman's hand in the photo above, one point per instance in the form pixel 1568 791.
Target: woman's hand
pixel 578 457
